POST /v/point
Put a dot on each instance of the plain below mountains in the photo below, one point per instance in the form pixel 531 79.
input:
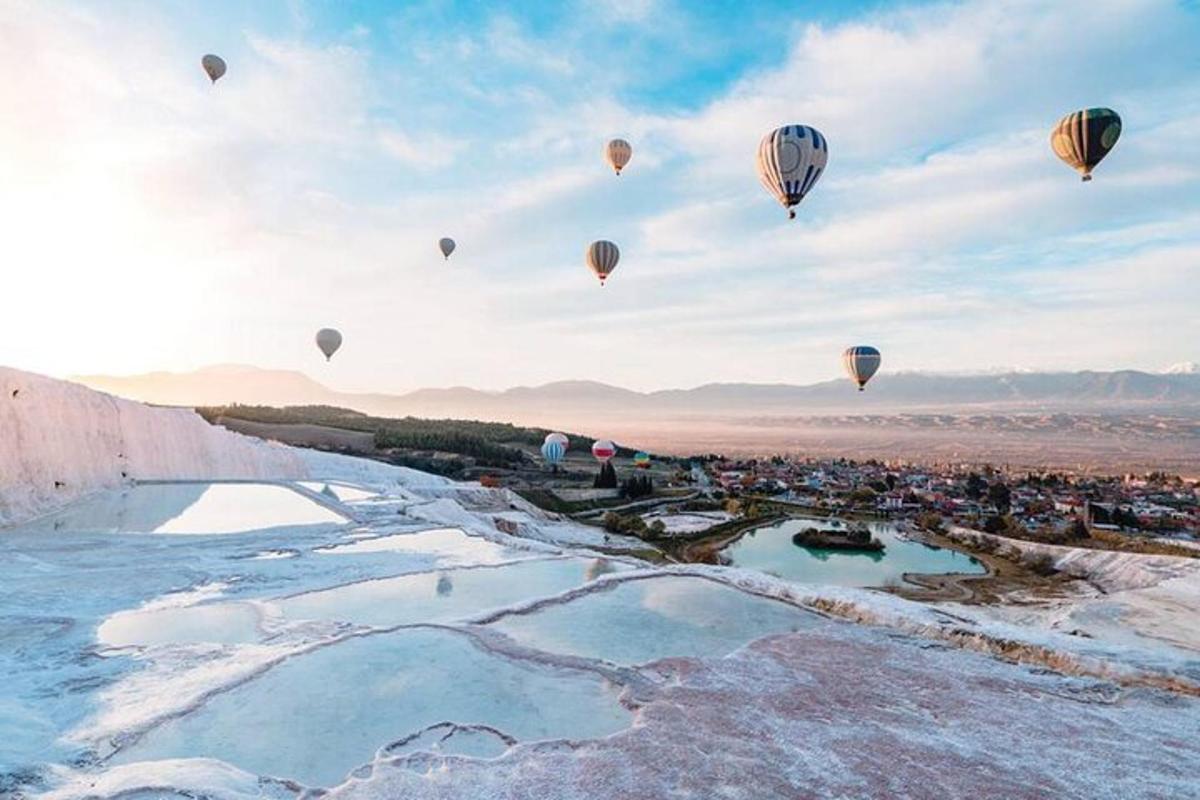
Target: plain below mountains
pixel 1099 421
pixel 1119 392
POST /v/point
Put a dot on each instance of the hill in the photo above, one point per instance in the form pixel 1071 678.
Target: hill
pixel 1123 391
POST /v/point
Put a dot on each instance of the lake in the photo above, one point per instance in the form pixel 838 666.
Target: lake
pixel 770 549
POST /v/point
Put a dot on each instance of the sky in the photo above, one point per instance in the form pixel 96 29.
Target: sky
pixel 155 222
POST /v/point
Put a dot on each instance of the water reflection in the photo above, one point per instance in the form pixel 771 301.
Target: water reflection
pixel 189 508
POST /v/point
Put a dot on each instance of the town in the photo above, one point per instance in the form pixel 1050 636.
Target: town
pixel 1053 507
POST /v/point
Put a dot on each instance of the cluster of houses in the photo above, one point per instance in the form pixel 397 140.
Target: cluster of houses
pixel 1159 503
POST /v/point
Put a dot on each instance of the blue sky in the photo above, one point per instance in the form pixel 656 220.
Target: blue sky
pixel 159 223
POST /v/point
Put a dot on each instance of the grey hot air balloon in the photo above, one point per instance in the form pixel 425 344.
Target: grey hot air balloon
pixel 446 245
pixel 602 258
pixel 861 363
pixel 328 340
pixel 617 153
pixel 790 161
pixel 1083 138
pixel 214 66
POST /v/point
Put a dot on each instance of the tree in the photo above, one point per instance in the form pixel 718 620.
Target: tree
pixel 1077 529
pixel 1000 496
pixel 930 521
pixel 976 486
pixel 996 524
pixel 607 478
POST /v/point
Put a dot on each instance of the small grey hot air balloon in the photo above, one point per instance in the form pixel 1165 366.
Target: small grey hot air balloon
pixel 328 340
pixel 790 161
pixel 214 66
pixel 446 245
pixel 601 258
pixel 1083 138
pixel 861 363
pixel 617 153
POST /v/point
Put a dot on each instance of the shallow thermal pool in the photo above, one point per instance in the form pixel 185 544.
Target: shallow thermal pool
pixel 643 620
pixel 450 545
pixel 770 549
pixel 190 508
pixel 317 716
pixel 452 594
pixel 442 596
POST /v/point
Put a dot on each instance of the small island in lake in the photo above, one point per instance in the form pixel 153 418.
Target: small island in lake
pixel 856 537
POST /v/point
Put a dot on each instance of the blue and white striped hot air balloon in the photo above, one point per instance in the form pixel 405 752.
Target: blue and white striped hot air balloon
pixel 553 451
pixel 790 161
pixel 861 363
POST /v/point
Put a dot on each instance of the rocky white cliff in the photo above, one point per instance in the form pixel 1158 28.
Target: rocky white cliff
pixel 60 441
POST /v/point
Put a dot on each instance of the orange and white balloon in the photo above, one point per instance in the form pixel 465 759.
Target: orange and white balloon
pixel 617 153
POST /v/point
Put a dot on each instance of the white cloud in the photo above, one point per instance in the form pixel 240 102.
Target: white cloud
pixel 309 187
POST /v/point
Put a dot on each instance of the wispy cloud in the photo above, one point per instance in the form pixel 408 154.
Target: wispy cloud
pixel 309 187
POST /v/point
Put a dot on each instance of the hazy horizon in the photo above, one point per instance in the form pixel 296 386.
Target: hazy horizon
pixel 160 223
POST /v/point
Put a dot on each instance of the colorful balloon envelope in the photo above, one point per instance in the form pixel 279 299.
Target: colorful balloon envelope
pixel 601 258
pixel 641 460
pixel 861 363
pixel 553 452
pixel 561 438
pixel 603 450
pixel 214 67
pixel 790 162
pixel 617 153
pixel 1083 138
pixel 328 341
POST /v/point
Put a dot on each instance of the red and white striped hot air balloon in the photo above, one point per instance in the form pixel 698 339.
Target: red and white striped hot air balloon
pixel 603 450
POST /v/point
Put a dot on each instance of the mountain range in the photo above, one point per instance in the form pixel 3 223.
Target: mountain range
pixel 1122 391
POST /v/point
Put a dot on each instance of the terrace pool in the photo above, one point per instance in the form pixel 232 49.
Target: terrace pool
pixel 770 549
pixel 190 508
pixel 643 620
pixel 316 717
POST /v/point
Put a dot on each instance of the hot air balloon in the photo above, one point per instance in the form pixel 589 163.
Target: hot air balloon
pixel 329 341
pixel 617 153
pixel 598 567
pixel 602 258
pixel 553 452
pixel 861 363
pixel 603 450
pixel 641 460
pixel 1082 139
pixel 214 66
pixel 446 245
pixel 561 438
pixel 790 161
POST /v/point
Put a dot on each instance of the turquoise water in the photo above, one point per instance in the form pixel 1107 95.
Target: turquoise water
pixel 443 596
pixel 644 620
pixel 770 549
pixel 316 717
